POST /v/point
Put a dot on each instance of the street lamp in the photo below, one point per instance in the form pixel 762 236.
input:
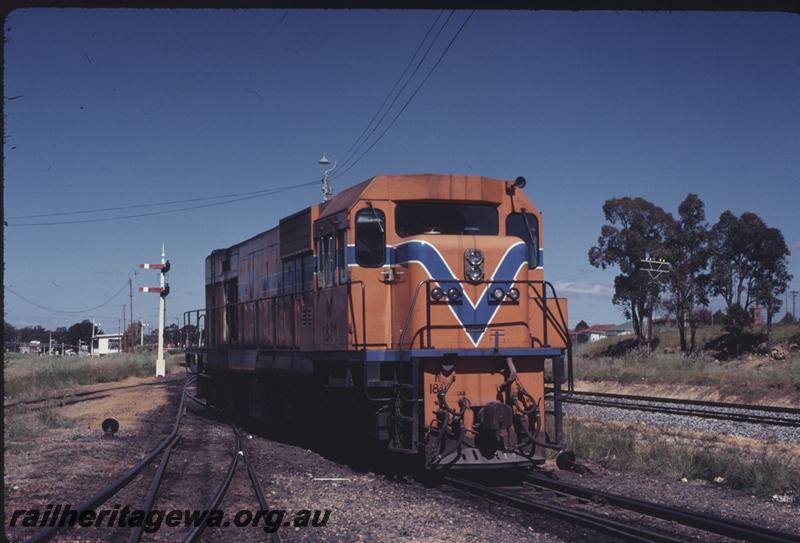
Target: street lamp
pixel 326 186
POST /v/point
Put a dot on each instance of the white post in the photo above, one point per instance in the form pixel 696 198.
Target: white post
pixel 161 367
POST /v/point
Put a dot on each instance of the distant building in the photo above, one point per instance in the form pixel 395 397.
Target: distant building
pixel 593 333
pixel 32 347
pixel 106 344
pixel 625 329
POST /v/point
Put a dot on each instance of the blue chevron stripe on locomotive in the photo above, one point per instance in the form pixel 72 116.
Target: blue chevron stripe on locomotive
pixel 474 317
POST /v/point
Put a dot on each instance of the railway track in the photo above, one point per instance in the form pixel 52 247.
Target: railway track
pixel 165 449
pixel 70 398
pixel 752 414
pixel 530 496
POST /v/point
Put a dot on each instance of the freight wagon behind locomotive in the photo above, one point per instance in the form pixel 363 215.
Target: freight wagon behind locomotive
pixel 408 313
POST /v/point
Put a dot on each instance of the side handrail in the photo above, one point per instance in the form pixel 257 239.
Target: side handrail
pixel 564 333
pixel 363 343
pixel 258 305
pixel 410 312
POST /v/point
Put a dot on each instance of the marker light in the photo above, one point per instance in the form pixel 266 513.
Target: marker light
pixel 437 294
pixel 513 294
pixel 453 294
pixel 498 294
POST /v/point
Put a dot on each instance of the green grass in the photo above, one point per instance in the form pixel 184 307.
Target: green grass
pixel 36 376
pixel 762 474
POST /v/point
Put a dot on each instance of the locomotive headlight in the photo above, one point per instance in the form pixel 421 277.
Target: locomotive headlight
pixel 437 294
pixel 453 294
pixel 473 265
pixel 498 294
pixel 474 257
pixel 474 274
pixel 513 294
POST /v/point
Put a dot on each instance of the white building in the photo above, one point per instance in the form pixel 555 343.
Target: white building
pixel 106 344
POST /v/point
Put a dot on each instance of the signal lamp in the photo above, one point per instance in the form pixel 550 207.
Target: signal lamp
pixel 498 294
pixel 437 294
pixel 513 294
pixel 453 294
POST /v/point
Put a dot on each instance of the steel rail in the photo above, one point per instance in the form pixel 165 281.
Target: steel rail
pixel 702 521
pixel 683 411
pixel 75 395
pixel 701 403
pixel 118 484
pixel 750 419
pixel 262 501
pixel 598 523
pixel 147 506
pixel 197 530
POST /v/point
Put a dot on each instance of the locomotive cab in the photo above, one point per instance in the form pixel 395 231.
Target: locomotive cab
pixel 420 302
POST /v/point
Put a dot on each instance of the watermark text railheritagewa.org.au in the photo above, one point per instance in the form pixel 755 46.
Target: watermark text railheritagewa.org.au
pixel 62 515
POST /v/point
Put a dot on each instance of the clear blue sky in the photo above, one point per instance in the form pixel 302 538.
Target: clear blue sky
pixel 119 107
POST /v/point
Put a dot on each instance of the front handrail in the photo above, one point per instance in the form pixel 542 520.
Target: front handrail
pixel 560 324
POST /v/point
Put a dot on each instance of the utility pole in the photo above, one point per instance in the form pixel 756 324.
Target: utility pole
pixel 163 291
pixel 133 329
pixel 91 345
pixel 122 331
pixel 654 268
pixel 794 294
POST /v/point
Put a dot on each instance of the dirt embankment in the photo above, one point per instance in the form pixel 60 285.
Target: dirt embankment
pixel 688 392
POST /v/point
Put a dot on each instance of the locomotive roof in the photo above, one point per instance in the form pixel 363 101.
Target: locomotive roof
pixel 418 186
pixel 421 186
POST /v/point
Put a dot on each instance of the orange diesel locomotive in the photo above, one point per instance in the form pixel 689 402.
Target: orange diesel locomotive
pixel 409 312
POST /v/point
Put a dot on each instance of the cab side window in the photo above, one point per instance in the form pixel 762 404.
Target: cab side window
pixel 525 227
pixel 370 238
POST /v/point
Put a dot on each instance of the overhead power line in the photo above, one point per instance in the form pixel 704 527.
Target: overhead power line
pixel 65 311
pixel 247 196
pixel 151 204
pixel 348 155
pixel 410 98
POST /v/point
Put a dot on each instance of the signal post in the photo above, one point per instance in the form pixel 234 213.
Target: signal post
pixel 163 290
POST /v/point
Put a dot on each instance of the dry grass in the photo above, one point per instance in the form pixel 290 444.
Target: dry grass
pixel 34 376
pixel 760 472
pixel 23 427
pixel 749 379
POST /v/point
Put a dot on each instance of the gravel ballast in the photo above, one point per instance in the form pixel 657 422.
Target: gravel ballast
pixel 685 422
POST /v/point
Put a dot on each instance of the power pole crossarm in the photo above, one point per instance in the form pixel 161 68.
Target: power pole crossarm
pixel 654 268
